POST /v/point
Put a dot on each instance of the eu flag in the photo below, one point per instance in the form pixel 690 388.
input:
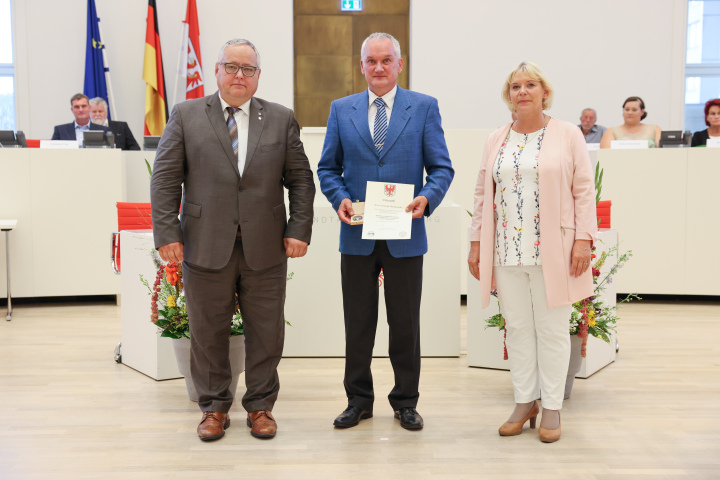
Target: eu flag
pixel 95 84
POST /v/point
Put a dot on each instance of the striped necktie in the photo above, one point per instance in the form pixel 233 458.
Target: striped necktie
pixel 381 125
pixel 232 128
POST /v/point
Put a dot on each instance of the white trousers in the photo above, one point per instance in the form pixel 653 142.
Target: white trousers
pixel 538 339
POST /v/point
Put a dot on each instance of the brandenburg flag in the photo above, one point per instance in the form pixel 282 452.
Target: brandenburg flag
pixel 156 111
pixel 191 66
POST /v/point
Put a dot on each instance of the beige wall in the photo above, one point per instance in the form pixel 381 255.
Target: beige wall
pixel 595 53
pixel 50 50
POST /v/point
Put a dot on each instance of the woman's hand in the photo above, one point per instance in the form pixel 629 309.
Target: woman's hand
pixel 474 259
pixel 580 258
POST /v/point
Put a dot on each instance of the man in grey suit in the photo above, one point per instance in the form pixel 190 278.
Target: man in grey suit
pixel 233 153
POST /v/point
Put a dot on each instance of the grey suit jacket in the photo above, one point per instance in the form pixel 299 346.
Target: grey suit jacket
pixel 195 149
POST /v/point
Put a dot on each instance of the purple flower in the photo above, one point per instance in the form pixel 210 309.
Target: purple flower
pixel 493 292
pixel 609 280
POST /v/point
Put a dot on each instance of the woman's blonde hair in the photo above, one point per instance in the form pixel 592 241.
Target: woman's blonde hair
pixel 532 70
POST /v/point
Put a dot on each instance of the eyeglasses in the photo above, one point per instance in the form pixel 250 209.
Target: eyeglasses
pixel 232 69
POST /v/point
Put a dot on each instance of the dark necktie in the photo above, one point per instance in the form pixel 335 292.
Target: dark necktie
pixel 232 128
pixel 381 124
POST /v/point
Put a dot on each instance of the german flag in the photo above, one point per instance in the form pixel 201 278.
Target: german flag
pixel 156 111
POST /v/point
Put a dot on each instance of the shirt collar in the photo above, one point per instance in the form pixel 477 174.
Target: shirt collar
pixel 593 129
pixel 86 126
pixel 388 98
pixel 245 107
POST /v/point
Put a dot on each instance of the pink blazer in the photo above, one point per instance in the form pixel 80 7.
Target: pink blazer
pixel 567 210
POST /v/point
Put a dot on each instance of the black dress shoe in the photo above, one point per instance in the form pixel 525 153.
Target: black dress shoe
pixel 351 417
pixel 409 418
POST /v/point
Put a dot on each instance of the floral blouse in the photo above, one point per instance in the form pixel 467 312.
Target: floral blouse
pixel 517 200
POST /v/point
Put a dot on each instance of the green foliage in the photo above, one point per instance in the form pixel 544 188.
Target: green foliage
pixel 598 182
pixel 496 320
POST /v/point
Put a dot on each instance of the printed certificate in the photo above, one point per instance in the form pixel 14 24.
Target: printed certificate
pixel 385 216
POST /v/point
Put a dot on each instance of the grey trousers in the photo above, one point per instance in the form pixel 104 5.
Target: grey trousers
pixel 210 296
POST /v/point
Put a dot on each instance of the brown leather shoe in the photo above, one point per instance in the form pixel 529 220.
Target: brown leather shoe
pixel 262 424
pixel 509 429
pixel 213 425
pixel 549 436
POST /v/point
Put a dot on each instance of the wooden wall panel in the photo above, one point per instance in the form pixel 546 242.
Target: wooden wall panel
pixel 327 51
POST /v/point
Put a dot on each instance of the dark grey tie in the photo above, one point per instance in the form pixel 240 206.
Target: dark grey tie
pixel 232 128
pixel 381 125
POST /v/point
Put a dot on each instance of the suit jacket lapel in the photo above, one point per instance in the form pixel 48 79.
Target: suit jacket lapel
pixel 217 120
pixel 360 120
pixel 398 119
pixel 255 127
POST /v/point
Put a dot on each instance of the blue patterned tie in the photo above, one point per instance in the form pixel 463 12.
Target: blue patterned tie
pixel 232 128
pixel 381 124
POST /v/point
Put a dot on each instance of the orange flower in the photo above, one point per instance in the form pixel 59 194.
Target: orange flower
pixel 171 273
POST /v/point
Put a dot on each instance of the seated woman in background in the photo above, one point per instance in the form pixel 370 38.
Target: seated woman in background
pixel 632 129
pixel 712 120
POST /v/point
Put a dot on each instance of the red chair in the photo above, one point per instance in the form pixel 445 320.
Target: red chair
pixel 131 216
pixel 32 143
pixel 603 213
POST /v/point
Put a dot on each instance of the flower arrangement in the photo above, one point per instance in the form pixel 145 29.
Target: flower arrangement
pixel 168 309
pixel 591 316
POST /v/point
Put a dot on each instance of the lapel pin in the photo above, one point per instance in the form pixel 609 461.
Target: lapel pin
pixel 259 115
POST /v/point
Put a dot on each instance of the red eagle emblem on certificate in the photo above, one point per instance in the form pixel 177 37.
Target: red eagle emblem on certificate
pixel 389 190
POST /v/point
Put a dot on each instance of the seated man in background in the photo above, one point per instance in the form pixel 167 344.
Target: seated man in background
pixel 123 136
pixel 80 106
pixel 593 133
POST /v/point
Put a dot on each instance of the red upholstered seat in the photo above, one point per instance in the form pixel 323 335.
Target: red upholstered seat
pixel 131 216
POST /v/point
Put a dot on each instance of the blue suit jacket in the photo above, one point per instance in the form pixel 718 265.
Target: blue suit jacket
pixel 415 142
pixel 66 131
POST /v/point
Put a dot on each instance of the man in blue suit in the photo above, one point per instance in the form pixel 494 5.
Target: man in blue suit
pixel 384 134
pixel 80 106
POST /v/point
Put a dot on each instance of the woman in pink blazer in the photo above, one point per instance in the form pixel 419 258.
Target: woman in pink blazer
pixel 532 231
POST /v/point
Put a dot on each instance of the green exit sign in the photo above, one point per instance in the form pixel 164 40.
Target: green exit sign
pixel 351 5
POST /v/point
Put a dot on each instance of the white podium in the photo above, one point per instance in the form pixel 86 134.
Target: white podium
pixel 485 346
pixel 143 349
pixel 314 296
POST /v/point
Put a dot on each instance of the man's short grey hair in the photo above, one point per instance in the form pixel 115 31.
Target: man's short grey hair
pixel 99 101
pixel 381 35
pixel 239 41
pixel 589 109
pixel 76 97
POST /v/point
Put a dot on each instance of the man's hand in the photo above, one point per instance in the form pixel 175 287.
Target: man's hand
pixel 345 212
pixel 172 252
pixel 295 248
pixel 417 207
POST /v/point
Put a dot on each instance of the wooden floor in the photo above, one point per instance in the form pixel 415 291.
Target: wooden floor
pixel 68 411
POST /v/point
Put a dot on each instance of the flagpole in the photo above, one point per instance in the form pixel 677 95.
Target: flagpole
pixel 183 48
pixel 111 97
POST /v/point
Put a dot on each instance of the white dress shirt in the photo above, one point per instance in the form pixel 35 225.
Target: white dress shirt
pixel 79 132
pixel 389 99
pixel 242 119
